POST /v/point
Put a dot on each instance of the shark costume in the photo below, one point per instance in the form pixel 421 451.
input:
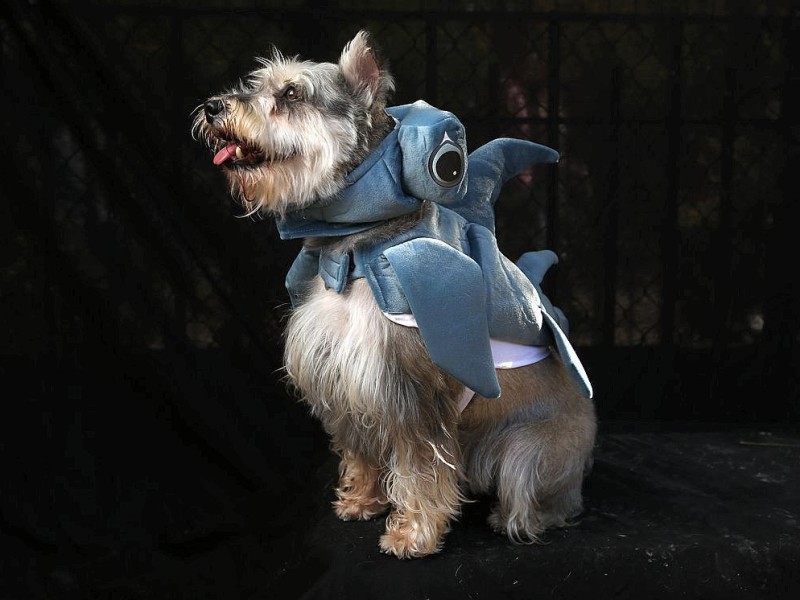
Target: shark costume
pixel 447 270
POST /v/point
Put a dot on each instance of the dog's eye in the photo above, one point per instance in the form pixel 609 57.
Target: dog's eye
pixel 291 93
pixel 446 164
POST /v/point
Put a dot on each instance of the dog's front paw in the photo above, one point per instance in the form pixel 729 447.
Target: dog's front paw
pixel 412 535
pixel 359 508
pixel 359 496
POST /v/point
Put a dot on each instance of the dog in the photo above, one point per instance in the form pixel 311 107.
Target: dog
pixel 413 439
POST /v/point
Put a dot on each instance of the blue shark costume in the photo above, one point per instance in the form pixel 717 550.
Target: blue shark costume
pixel 447 269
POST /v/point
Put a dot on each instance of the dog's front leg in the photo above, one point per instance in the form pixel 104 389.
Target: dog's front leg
pixel 422 484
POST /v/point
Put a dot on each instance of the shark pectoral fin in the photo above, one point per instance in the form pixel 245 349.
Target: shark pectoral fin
pixel 446 293
pixel 568 355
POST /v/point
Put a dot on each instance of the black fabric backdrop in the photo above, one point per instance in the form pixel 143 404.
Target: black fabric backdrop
pixel 149 446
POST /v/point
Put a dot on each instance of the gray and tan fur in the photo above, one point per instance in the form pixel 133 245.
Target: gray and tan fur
pixel 392 415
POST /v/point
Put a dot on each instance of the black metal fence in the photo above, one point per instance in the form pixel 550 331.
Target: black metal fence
pixel 673 208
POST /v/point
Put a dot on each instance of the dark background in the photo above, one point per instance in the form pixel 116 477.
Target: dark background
pixel 149 448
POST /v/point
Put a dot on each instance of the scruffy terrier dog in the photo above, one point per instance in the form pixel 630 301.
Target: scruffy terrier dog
pixel 291 139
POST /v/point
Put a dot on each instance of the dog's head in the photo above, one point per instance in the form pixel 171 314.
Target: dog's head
pixel 291 131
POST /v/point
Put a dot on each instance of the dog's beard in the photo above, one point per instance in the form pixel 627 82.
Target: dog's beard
pixel 266 187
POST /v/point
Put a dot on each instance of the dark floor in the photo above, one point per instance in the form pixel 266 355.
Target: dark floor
pixel 668 515
pixel 681 514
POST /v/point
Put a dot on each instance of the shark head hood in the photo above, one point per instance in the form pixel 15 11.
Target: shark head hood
pixel 423 158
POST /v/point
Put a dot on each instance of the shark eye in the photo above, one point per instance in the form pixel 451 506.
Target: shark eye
pixel 446 164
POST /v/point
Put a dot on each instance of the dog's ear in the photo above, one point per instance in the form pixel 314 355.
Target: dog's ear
pixel 366 71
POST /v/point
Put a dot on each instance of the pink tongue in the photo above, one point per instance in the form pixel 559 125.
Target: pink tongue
pixel 224 154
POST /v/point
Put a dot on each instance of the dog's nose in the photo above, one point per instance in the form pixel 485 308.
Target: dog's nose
pixel 212 108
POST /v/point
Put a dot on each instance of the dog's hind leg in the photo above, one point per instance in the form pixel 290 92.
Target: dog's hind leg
pixel 532 447
pixel 539 477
